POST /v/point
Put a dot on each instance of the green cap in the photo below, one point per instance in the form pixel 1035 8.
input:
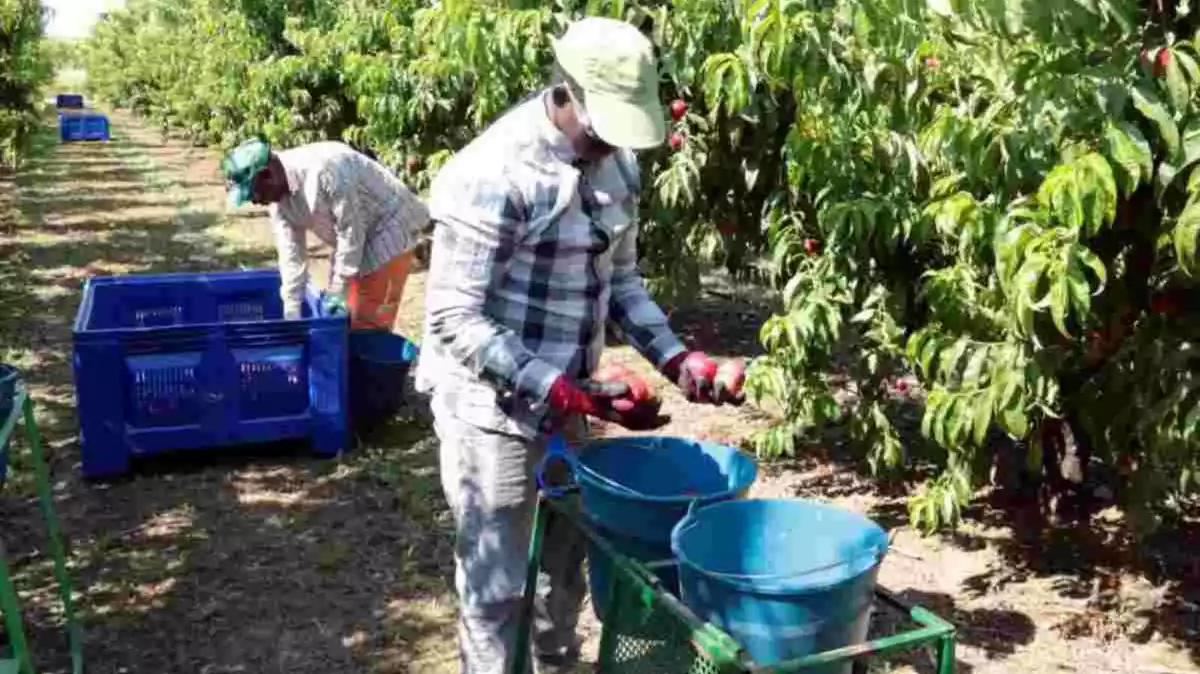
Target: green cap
pixel 241 166
pixel 614 65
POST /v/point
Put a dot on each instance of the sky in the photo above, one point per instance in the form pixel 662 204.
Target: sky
pixel 75 18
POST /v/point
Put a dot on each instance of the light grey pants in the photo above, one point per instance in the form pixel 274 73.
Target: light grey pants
pixel 488 480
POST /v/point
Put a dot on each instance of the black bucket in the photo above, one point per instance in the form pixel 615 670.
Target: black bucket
pixel 379 365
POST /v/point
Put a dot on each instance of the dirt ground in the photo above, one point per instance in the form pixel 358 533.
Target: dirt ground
pixel 274 561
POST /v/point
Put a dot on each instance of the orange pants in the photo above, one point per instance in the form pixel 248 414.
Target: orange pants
pixel 374 298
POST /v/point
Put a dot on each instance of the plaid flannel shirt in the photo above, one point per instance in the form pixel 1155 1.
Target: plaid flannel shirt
pixel 533 252
pixel 352 204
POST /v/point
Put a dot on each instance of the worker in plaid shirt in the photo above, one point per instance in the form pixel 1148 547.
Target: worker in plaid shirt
pixel 351 203
pixel 534 250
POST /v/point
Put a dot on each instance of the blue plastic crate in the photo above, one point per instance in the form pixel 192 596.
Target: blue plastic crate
pixel 82 126
pixel 198 361
pixel 68 101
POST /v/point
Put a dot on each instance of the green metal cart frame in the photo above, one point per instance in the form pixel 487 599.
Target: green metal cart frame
pixel 21 661
pixel 646 630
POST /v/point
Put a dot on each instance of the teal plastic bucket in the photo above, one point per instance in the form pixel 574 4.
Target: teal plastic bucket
pixel 785 578
pixel 635 490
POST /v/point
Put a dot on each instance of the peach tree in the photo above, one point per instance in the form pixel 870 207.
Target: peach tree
pixel 24 68
pixel 992 200
pixel 997 198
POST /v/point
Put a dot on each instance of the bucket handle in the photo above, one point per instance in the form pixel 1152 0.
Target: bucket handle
pixel 876 554
pixel 556 450
pixel 617 485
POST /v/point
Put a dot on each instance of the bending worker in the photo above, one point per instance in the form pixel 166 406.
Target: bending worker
pixel 351 203
pixel 534 250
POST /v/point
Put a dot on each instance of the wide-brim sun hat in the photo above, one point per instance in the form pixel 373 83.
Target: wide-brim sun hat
pixel 613 63
pixel 241 166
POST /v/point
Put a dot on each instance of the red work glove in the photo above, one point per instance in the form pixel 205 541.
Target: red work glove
pixel 610 401
pixel 696 374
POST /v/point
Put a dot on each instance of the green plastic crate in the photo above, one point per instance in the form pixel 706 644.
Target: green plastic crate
pixel 646 630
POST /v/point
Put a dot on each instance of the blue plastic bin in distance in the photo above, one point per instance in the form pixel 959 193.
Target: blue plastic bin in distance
pixel 82 126
pixel 379 365
pixel 72 101
pixel 785 578
pixel 197 361
pixel 635 490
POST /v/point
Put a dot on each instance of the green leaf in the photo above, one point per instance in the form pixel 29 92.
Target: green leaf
pixel 953 214
pixel 1082 194
pixel 1191 145
pixel 1099 188
pixel 1012 385
pixel 1060 293
pixel 1087 258
pixel 833 323
pixel 982 420
pixel 1187 230
pixel 941 419
pixel 863 316
pixel 1177 86
pixel 928 354
pixel 960 482
pixel 945 186
pixel 1060 194
pixel 1157 114
pixel 1030 278
pixel 1193 186
pixel 1012 250
pixel 1129 149
pixel 1016 422
pixel 1188 64
pixel 931 512
pixel 959 416
pixel 1080 291
pixel 915 345
pixel 975 367
pixel 927 419
pixel 1025 314
pixel 941 7
pixel 1122 13
pixel 1164 177
pixel 949 361
pixel 949 507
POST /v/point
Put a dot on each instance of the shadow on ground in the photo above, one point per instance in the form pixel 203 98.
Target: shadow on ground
pixel 1130 588
pixel 1133 588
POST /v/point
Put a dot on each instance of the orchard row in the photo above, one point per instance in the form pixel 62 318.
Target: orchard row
pixel 987 209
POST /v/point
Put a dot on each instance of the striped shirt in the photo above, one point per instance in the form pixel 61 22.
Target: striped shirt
pixel 533 253
pixel 352 204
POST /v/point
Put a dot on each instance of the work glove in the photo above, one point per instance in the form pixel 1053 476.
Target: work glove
pixel 696 374
pixel 609 401
pixel 333 304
